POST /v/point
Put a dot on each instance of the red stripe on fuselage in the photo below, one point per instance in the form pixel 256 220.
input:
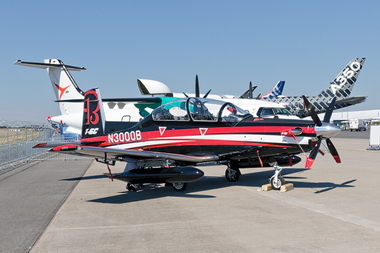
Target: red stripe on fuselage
pixel 178 134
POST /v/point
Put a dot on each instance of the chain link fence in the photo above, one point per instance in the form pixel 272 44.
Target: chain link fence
pixel 17 140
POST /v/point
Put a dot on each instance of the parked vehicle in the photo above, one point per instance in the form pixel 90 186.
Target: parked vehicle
pixel 357 125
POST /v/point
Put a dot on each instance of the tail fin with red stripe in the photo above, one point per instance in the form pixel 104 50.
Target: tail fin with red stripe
pixel 93 115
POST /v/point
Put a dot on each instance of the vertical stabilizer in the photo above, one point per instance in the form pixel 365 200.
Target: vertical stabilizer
pixel 276 91
pixel 93 115
pixel 343 83
pixel 64 85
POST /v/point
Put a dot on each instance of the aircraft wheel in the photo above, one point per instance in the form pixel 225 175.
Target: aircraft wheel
pixel 277 185
pixel 232 173
pixel 131 187
pixel 179 186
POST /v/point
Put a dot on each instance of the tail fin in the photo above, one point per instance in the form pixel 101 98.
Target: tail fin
pixel 93 115
pixel 276 91
pixel 343 83
pixel 64 85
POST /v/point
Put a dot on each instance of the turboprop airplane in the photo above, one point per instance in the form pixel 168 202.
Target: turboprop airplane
pixel 339 88
pixel 163 147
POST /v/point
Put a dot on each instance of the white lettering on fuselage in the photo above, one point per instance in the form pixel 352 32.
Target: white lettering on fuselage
pixel 124 137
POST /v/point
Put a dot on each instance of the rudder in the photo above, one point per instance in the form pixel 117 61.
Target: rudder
pixel 93 115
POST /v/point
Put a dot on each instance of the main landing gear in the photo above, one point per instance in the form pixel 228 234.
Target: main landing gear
pixel 179 186
pixel 133 187
pixel 232 173
pixel 277 180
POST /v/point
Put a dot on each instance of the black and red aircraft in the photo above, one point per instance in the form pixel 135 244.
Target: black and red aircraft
pixel 163 147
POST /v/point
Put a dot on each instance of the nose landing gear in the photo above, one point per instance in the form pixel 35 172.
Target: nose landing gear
pixel 277 180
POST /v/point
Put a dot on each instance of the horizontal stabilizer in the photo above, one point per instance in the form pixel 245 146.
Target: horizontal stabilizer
pixel 152 99
pixel 350 101
pixel 54 63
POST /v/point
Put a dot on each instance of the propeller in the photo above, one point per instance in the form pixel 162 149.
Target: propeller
pixel 311 111
pixel 197 89
pixel 250 94
pixel 196 86
pixel 324 130
pixel 208 92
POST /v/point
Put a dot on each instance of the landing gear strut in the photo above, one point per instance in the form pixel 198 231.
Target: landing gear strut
pixel 277 180
pixel 232 173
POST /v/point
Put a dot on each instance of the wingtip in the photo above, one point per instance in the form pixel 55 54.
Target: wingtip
pixel 40 145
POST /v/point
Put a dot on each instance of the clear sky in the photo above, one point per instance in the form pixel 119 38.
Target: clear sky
pixel 227 43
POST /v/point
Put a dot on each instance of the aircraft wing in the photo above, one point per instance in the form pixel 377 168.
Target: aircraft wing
pixel 349 101
pixel 113 153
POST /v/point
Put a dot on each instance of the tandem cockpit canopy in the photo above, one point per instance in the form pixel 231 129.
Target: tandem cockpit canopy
pixel 199 110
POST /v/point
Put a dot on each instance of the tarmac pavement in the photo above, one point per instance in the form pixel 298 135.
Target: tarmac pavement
pixel 333 208
pixel 31 195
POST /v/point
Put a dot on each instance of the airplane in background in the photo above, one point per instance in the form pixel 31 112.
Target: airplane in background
pixel 275 92
pixel 66 89
pixel 339 88
pixel 119 112
pixel 163 147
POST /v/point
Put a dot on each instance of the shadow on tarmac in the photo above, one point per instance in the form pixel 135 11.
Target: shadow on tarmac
pixel 207 183
pixel 84 178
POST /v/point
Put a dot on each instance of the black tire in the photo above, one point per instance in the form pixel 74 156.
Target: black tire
pixel 280 182
pixel 131 187
pixel 179 186
pixel 232 174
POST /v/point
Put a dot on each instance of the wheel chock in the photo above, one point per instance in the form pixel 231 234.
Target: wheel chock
pixel 266 187
pixel 286 187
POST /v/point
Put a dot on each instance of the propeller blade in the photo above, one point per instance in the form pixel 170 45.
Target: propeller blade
pixel 208 92
pixel 311 111
pixel 250 94
pixel 313 154
pixel 329 111
pixel 196 86
pixel 333 150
